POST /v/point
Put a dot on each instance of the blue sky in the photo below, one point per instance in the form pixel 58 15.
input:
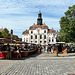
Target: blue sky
pixel 19 15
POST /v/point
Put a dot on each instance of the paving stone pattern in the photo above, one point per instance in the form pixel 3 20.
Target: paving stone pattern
pixel 38 66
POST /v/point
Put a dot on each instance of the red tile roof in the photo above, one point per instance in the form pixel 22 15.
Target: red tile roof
pixel 51 31
pixel 33 27
pixel 43 25
pixel 26 32
pixel 15 37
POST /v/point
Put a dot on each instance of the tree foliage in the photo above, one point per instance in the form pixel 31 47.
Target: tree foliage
pixel 5 33
pixel 67 25
pixel 20 39
pixel 1 35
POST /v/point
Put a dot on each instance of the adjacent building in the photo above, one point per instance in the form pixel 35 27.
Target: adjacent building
pixel 15 37
pixel 39 33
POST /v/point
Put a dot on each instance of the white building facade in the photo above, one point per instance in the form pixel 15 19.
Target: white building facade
pixel 39 33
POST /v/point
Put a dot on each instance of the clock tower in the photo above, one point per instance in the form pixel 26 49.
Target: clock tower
pixel 39 19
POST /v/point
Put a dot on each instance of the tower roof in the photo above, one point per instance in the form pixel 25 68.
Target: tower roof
pixel 25 32
pixel 39 19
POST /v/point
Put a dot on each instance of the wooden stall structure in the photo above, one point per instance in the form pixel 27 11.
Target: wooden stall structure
pixel 4 47
pixel 60 47
pixel 25 49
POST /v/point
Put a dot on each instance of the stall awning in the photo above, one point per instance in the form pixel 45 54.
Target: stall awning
pixel 4 40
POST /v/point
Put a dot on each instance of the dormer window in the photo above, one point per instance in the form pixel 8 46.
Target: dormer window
pixel 42 27
pixel 33 27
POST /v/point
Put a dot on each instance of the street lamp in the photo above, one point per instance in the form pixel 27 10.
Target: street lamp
pixel 11 42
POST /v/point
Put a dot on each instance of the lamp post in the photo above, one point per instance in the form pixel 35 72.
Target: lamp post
pixel 57 49
pixel 11 42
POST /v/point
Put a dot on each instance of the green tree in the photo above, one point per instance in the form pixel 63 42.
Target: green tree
pixel 67 25
pixel 5 33
pixel 1 35
pixel 20 39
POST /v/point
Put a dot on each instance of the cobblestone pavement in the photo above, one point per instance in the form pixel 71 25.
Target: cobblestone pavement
pixel 38 66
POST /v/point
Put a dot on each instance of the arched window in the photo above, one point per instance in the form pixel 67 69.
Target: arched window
pixel 44 36
pixel 52 40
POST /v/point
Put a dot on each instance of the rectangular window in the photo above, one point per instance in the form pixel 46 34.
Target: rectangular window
pixel 52 40
pixel 35 41
pixel 44 36
pixel 44 31
pixel 31 37
pixel 35 36
pixel 49 40
pixel 24 39
pixel 40 36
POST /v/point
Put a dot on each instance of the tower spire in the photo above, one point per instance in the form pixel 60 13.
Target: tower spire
pixel 39 19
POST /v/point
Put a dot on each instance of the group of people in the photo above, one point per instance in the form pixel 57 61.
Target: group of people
pixel 17 48
pixel 46 48
pixel 49 49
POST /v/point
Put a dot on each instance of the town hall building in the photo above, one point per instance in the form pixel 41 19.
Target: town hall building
pixel 39 33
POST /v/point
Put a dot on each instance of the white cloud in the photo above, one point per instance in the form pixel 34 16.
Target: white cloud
pixel 20 14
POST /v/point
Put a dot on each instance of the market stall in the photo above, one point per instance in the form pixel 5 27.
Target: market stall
pixel 8 48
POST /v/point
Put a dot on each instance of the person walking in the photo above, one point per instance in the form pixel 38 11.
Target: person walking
pixel 12 51
pixel 19 54
pixel 40 48
pixel 46 48
pixel 49 49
